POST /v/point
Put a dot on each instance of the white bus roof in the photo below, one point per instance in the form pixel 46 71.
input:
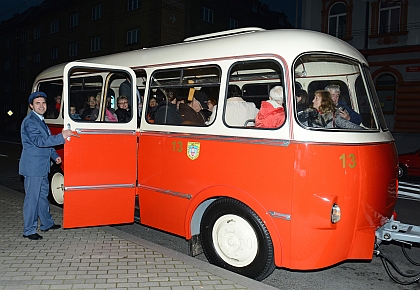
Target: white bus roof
pixel 287 43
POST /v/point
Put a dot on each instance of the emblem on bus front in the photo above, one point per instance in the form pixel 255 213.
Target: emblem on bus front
pixel 193 150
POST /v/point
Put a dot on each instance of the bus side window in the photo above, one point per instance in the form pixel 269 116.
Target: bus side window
pixel 248 102
pixel 182 96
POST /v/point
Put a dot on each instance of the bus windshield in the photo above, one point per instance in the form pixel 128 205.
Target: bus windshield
pixel 337 94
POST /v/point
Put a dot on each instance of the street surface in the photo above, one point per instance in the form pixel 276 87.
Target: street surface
pixel 348 275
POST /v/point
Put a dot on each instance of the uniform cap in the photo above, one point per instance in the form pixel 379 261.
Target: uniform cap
pixel 36 95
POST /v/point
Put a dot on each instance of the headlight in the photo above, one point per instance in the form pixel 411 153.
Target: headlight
pixel 335 214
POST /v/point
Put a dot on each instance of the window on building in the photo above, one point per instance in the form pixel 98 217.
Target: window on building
pixel 37 57
pixel 95 44
pixel 389 17
pixel 73 49
pixel 6 64
pixel 22 85
pixel 6 42
pixel 54 53
pixel 206 14
pixel 74 20
pixel 54 26
pixel 386 86
pixel 133 36
pixel 37 32
pixel 22 37
pixel 133 4
pixel 254 7
pixel 337 20
pixel 233 23
pixel 22 61
pixel 6 86
pixel 96 12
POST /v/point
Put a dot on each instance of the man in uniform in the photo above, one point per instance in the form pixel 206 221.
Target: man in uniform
pixel 34 165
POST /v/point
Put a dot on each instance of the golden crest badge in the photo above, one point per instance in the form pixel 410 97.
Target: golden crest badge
pixel 193 150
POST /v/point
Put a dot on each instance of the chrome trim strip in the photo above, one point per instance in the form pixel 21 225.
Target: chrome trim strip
pixel 105 131
pixel 166 191
pixel 210 137
pixel 99 187
pixel 279 215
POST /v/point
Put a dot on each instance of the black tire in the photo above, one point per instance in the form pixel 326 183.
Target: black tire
pixel 225 226
pixel 55 177
pixel 402 172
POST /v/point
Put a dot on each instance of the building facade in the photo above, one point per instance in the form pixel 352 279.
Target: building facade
pixel 59 31
pixel 387 33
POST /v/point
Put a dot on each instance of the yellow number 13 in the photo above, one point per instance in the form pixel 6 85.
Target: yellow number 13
pixel 350 161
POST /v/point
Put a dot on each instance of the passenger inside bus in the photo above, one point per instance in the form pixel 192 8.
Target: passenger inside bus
pixel 190 112
pixel 238 112
pixel 167 112
pixel 302 100
pixel 324 114
pixel 95 112
pixel 271 113
pixel 212 104
pixel 73 114
pixel 124 111
pixel 203 99
pixel 89 107
pixel 344 110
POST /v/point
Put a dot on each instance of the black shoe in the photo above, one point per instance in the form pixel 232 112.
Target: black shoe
pixel 53 227
pixel 33 237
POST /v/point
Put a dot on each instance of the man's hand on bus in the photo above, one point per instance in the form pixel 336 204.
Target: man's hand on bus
pixel 58 160
pixel 66 133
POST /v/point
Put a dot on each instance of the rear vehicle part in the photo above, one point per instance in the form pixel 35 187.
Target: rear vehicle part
pixel 56 193
pixel 235 238
pixel 404 234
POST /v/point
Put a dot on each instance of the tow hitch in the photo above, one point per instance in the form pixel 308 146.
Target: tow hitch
pixel 404 234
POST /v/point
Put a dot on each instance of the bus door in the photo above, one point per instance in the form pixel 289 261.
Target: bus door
pixel 100 159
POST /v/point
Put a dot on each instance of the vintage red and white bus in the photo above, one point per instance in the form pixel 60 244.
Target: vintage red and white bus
pixel 295 196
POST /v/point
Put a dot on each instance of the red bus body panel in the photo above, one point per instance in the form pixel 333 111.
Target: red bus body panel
pixel 300 179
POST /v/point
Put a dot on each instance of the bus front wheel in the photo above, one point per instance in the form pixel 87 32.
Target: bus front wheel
pixel 56 194
pixel 235 238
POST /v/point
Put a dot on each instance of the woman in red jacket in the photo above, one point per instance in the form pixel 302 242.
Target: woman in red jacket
pixel 271 113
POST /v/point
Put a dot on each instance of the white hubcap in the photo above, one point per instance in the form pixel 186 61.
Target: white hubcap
pixel 235 240
pixel 57 187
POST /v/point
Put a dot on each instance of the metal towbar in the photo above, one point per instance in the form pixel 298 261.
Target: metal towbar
pixel 396 231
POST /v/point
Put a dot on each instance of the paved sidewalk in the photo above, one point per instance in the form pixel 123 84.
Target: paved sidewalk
pixel 97 258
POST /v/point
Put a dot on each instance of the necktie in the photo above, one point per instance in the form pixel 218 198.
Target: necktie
pixel 46 127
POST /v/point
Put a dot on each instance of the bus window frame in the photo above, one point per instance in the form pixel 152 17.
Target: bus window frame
pixel 373 99
pixel 270 82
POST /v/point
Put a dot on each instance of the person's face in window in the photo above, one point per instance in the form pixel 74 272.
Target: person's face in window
pixel 152 103
pixel 92 102
pixel 72 110
pixel 123 104
pixel 335 96
pixel 317 101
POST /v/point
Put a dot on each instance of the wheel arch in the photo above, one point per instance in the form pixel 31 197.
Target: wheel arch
pixel 204 198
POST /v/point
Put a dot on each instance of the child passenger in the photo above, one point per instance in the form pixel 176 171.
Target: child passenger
pixel 271 113
pixel 73 113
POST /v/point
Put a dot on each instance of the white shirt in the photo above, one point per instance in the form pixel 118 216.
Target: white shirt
pixel 238 112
